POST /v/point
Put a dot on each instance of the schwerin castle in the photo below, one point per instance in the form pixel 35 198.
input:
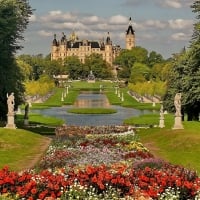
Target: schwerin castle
pixel 72 46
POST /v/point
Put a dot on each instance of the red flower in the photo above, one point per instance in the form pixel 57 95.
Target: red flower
pixel 90 170
pixel 56 187
pixel 94 179
pixel 34 191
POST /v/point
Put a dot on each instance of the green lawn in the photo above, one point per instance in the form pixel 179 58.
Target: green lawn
pixel 176 146
pixel 40 124
pixel 84 85
pixel 18 148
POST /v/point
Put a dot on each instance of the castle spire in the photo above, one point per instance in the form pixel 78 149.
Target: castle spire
pixel 108 40
pixel 130 28
pixel 130 36
pixel 55 42
pixel 130 23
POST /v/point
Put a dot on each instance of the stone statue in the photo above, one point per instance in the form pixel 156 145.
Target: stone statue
pixel 178 119
pixel 91 77
pixel 177 104
pixel 11 103
pixel 11 113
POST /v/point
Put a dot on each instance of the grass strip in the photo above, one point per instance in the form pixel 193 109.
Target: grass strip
pixel 40 124
pixel 92 110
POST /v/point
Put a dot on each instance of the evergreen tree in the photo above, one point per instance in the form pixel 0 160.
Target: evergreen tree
pixel 185 77
pixel 14 16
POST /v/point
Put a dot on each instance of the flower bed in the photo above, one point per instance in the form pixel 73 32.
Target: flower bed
pixel 96 166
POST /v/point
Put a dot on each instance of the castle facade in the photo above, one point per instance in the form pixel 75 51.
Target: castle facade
pixel 73 46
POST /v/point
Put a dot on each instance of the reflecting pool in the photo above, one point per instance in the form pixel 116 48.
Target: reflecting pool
pixel 88 99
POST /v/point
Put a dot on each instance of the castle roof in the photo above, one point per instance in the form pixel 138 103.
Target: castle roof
pixel 77 44
pixel 130 28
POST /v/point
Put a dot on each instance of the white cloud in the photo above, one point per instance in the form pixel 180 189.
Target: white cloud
pixel 149 24
pixel 66 26
pixel 91 19
pixel 180 24
pixel 103 27
pixel 180 36
pixel 177 4
pixel 57 15
pixel 55 12
pixel 155 23
pixel 92 35
pixel 172 3
pixel 44 33
pixel 118 19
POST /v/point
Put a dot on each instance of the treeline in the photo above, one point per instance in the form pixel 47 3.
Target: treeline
pixel 150 88
pixel 145 72
pixel 37 65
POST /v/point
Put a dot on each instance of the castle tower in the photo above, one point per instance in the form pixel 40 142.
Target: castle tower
pixel 108 50
pixel 130 36
pixel 63 46
pixel 55 49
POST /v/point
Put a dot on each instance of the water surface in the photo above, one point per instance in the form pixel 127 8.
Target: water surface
pixel 88 99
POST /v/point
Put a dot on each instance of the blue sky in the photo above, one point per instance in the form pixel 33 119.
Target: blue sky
pixel 164 26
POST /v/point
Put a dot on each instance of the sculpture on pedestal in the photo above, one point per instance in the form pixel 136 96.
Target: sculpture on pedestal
pixel 11 113
pixel 178 118
pixel 177 104
pixel 91 77
pixel 11 103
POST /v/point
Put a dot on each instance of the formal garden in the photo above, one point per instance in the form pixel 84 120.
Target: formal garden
pixel 153 155
pixel 52 160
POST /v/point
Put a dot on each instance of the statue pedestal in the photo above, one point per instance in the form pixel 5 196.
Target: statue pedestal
pixel 91 81
pixel 162 122
pixel 178 123
pixel 10 121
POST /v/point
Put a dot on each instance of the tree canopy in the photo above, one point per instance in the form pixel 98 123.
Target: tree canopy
pixel 74 68
pixel 185 76
pixel 14 18
pixel 99 67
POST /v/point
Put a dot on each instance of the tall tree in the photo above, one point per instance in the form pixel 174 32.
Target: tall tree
pixel 127 58
pixel 73 67
pixel 99 67
pixel 139 73
pixel 154 58
pixel 14 18
pixel 186 74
